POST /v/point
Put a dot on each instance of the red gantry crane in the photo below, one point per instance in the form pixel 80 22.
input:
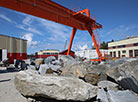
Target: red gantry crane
pixel 52 11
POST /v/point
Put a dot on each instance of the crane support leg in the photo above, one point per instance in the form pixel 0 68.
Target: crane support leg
pixel 71 39
pixel 95 44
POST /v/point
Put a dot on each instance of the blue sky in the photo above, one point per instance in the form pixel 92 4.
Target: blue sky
pixel 118 17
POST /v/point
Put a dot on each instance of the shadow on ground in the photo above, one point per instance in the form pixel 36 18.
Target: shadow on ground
pixel 41 99
pixel 9 70
pixel 5 80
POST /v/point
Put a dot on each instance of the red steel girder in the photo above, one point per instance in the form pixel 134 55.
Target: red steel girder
pixel 50 10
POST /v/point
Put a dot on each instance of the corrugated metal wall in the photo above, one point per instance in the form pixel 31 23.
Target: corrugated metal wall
pixel 16 48
pixel 13 45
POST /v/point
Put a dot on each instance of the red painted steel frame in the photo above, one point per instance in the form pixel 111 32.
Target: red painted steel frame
pixel 50 10
pixel 71 40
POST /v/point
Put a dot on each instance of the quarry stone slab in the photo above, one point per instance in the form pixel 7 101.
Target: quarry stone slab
pixel 30 83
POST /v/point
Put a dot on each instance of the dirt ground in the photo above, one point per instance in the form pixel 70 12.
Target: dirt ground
pixel 8 93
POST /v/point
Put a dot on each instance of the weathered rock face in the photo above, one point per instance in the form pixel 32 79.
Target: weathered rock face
pixel 39 61
pixel 43 68
pixel 126 74
pixel 129 69
pixel 116 96
pixel 76 70
pixel 66 60
pixel 91 78
pixel 114 73
pixel 30 83
pixel 90 73
pixel 102 96
pixel 115 63
pixel 108 85
pixel 49 59
pixel 95 73
pixel 122 96
pixel 49 71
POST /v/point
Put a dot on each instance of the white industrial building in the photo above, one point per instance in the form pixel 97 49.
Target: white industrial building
pixel 90 54
pixel 124 48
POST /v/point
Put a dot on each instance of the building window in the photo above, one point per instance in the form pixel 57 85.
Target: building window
pixel 118 53
pixel 45 53
pixel 124 51
pixel 114 47
pixel 114 54
pixel 111 54
pixel 136 52
pixel 121 46
pixel 130 53
pixel 135 44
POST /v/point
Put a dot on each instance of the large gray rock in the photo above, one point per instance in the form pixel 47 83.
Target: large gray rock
pixel 91 78
pixel 99 69
pixel 122 96
pixel 66 59
pixel 54 67
pixel 126 74
pixel 43 68
pixel 116 96
pixel 49 59
pixel 102 96
pixel 108 85
pixel 87 71
pixel 117 62
pixel 80 69
pixel 31 67
pixel 95 73
pixel 31 84
pixel 39 61
pixel 129 69
pixel 75 70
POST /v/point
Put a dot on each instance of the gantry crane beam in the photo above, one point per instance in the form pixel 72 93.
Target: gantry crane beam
pixel 52 11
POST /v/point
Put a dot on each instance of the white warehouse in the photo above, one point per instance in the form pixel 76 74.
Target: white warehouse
pixel 90 54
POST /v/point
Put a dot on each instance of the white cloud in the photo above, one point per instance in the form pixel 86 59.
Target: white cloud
pixel 27 25
pixel 27 21
pixel 29 38
pixel 57 31
pixel 33 30
pixel 119 32
pixel 84 47
pixel 5 18
pixel 21 26
pixel 121 29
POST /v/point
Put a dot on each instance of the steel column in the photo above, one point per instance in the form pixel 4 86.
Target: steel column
pixel 95 43
pixel 71 39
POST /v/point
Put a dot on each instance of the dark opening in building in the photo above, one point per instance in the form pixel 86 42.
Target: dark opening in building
pixel 136 52
pixel 130 53
pixel 111 54
pixel 118 53
pixel 114 54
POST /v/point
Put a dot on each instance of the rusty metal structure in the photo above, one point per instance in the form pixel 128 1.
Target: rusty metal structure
pixel 52 11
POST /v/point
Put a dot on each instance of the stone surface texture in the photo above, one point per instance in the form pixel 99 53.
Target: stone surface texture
pixel 30 83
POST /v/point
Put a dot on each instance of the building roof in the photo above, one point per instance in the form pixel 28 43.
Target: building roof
pixel 49 50
pixel 124 39
pixel 12 37
pixel 65 51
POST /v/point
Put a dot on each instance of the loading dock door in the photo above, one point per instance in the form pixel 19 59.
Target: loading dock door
pixel 4 54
